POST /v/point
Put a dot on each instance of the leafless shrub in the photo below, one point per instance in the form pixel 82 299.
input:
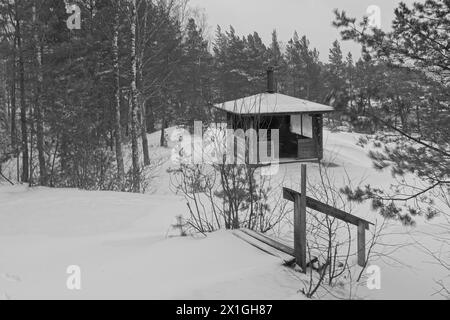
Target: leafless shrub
pixel 197 183
pixel 330 243
pixel 228 196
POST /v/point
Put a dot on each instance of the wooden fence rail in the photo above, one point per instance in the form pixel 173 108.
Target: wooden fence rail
pixel 301 202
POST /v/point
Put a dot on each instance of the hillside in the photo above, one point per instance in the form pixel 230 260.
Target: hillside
pixel 126 247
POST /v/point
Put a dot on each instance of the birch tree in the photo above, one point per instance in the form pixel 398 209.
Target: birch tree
pixel 117 115
pixel 134 101
pixel 38 101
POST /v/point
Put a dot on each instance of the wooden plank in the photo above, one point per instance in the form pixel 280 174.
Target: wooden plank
pixel 300 224
pixel 275 244
pixel 306 149
pixel 281 163
pixel 361 244
pixel 285 258
pixel 297 237
pixel 336 213
pixel 290 195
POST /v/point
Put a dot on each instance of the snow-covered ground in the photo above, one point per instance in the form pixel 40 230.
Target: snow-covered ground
pixel 126 247
pixel 121 244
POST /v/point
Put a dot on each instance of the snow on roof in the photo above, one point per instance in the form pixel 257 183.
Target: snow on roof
pixel 272 103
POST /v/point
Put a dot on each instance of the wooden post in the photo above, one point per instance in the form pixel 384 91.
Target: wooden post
pixel 361 244
pixel 301 202
pixel 300 223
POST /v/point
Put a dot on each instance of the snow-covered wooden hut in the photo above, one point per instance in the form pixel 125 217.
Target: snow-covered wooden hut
pixel 300 122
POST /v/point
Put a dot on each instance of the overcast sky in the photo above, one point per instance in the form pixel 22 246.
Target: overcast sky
pixel 309 17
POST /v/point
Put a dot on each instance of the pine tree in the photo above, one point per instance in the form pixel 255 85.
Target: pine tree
pixel 276 60
pixel 195 69
pixel 335 77
pixel 304 69
pixel 412 73
pixel 276 56
pixel 256 63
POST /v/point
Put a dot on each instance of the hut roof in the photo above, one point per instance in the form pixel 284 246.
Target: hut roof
pixel 272 103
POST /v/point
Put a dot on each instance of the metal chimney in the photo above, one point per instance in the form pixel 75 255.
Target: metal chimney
pixel 270 80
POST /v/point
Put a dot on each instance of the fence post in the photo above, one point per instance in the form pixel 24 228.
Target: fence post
pixel 361 244
pixel 300 223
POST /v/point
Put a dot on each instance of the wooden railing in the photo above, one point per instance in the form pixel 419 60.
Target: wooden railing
pixel 301 202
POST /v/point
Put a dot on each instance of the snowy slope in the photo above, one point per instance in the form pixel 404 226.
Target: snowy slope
pixel 120 242
pixel 125 247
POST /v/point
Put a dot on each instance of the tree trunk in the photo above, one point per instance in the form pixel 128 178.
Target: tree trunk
pixel 150 120
pixel 163 141
pixel 134 102
pixel 142 100
pixel 38 107
pixel 117 117
pixel 23 107
pixel 144 135
pixel 13 104
pixel 64 153
pixel 31 145
pixel 419 128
